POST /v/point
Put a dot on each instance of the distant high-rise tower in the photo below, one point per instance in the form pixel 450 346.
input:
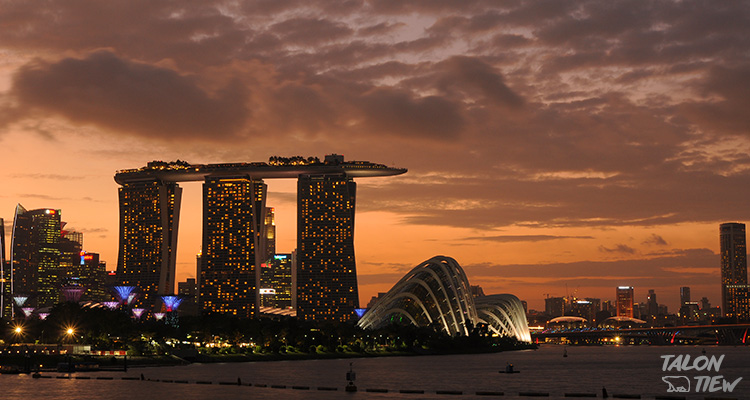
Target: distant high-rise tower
pixel 684 295
pixel 233 221
pixel 651 305
pixel 734 288
pixel 149 221
pixel 36 255
pixel 326 272
pixel 5 300
pixel 625 301
pixel 277 275
pixel 269 236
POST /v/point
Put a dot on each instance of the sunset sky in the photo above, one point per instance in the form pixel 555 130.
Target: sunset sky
pixel 553 147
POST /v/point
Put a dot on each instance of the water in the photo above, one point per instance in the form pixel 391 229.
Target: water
pixel 622 370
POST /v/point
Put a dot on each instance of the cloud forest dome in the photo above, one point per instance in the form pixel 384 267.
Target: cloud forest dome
pixel 437 293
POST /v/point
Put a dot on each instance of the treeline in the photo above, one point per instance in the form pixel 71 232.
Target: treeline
pixel 219 334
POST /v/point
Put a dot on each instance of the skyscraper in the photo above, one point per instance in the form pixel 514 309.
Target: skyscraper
pixel 651 305
pixel 684 295
pixel 277 275
pixel 149 221
pixel 269 237
pixel 233 220
pixel 5 301
pixel 36 255
pixel 734 289
pixel 625 301
pixel 326 272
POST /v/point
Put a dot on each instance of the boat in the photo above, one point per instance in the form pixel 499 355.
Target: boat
pixel 565 352
pixel 509 370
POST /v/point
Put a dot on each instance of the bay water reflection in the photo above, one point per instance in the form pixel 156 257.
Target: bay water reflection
pixel 633 370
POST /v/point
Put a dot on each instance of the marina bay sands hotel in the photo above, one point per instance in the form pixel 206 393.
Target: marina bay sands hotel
pixel 234 197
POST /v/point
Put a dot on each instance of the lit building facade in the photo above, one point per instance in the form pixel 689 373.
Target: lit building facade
pixel 276 274
pixel 36 255
pixel 625 301
pixel 149 222
pixel 5 299
pixel 268 239
pixel 326 272
pixel 233 209
pixel 149 212
pixel 733 248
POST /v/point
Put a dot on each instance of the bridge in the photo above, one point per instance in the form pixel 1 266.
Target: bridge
pixel 735 334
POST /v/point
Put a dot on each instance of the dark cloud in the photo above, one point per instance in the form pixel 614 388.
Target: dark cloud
pixel 105 90
pixel 655 240
pixel 619 248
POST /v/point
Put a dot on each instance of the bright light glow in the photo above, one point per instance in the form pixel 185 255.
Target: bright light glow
pixel 70 331
pixel 18 330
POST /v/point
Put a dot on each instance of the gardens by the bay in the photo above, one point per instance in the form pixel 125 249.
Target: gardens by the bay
pixel 70 328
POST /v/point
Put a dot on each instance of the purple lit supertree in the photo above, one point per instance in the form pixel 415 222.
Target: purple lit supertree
pixel 111 304
pixel 158 315
pixel 171 303
pixel 43 315
pixel 73 293
pixel 27 311
pixel 138 312
pixel 123 293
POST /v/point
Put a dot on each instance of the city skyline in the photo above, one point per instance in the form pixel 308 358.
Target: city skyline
pixel 552 148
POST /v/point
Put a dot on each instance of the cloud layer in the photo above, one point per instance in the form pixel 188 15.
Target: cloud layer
pixel 528 114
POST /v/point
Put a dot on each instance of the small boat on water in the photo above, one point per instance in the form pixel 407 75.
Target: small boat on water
pixel 509 370
pixel 565 352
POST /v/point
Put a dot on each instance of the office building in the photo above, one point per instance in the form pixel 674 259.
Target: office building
pixel 233 209
pixel 733 250
pixel 554 306
pixel 276 279
pixel 652 307
pixel 36 255
pixel 268 240
pixel 149 222
pixel 625 298
pixel 684 295
pixel 326 273
pixel 5 298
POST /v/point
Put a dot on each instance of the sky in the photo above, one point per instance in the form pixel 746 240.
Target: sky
pixel 554 148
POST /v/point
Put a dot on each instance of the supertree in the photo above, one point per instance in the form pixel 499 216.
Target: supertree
pixel 111 304
pixel 125 294
pixel 73 293
pixel 158 315
pixel 138 312
pixel 171 303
